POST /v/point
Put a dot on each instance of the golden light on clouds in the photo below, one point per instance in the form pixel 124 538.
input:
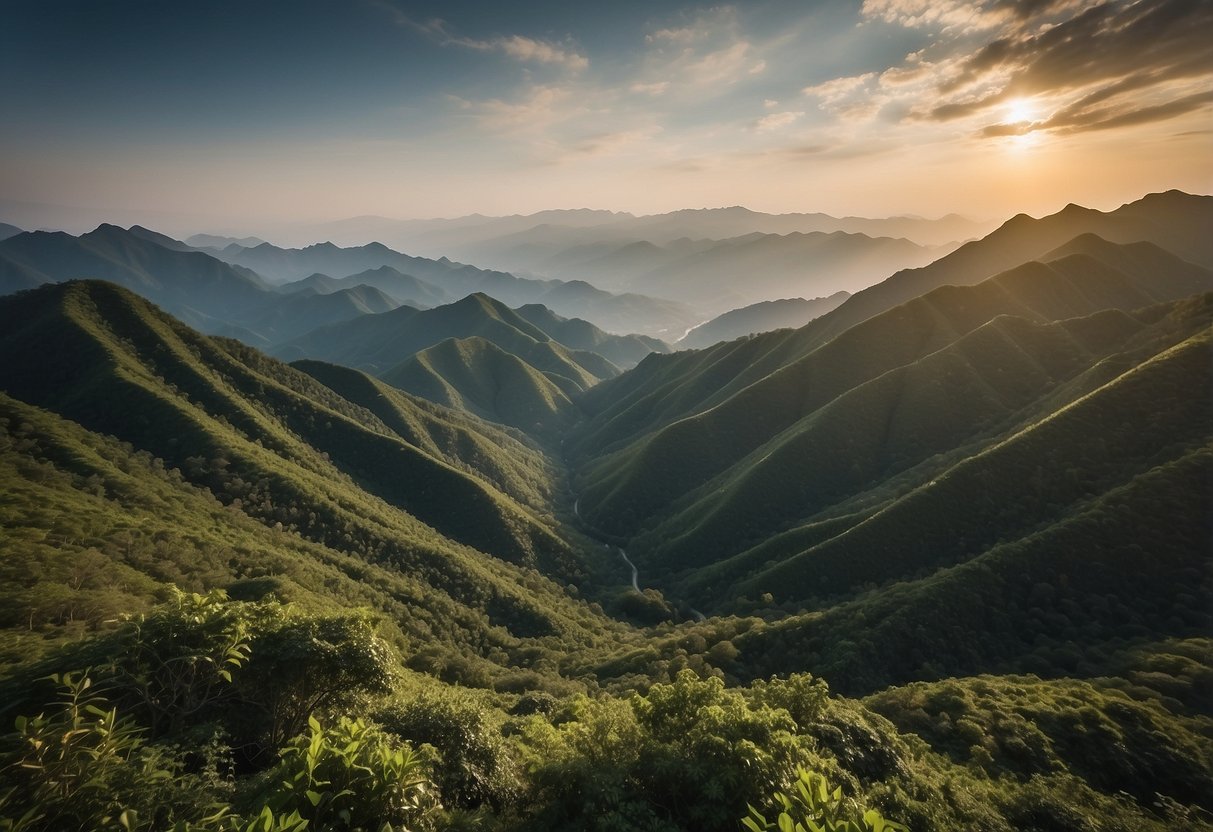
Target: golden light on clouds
pixel 1021 111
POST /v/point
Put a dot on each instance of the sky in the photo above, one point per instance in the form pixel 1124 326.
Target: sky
pixel 234 116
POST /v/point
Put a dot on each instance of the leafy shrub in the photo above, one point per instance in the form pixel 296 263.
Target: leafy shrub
pixel 304 663
pixel 813 806
pixel 83 767
pixel 176 662
pixel 352 776
pixel 474 766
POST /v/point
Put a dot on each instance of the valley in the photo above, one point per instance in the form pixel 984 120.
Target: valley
pixel 913 542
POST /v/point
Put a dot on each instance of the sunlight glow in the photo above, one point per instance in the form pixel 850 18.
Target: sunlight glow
pixel 1021 109
pixel 1025 141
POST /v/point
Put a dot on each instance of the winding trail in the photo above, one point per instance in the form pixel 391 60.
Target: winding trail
pixel 635 572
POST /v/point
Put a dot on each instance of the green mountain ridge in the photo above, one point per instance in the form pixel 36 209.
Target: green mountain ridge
pixel 403 287
pixel 691 406
pixel 382 343
pixel 195 397
pixel 787 313
pixel 476 375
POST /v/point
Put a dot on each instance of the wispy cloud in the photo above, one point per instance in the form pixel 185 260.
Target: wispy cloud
pixel 776 121
pixel 1085 65
pixel 518 47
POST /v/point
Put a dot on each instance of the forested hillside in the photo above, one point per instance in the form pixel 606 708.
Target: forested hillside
pixel 454 568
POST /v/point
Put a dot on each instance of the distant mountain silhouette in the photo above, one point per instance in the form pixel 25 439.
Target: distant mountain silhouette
pixel 403 287
pixel 435 237
pixel 629 313
pixel 186 282
pixel 708 273
pixel 217 241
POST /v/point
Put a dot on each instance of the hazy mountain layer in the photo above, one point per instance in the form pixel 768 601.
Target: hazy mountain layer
pixel 188 283
pixel 1176 221
pixel 759 317
pixel 438 236
pixel 403 287
pixel 575 299
pixel 711 275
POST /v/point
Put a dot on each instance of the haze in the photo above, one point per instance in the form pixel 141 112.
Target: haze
pixel 229 116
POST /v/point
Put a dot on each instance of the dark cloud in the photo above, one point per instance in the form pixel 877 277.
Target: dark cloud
pixel 1106 120
pixel 1118 58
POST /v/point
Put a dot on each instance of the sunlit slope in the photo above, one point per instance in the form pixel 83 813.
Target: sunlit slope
pixel 902 429
pixel 475 375
pixel 95 528
pixel 1176 221
pixel 505 458
pixel 1077 441
pixel 380 342
pixel 635 474
pixel 256 432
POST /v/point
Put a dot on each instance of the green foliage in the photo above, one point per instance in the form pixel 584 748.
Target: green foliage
pixel 350 775
pixel 474 766
pixel 81 766
pixel 813 806
pixel 303 664
pixel 177 662
pixel 688 754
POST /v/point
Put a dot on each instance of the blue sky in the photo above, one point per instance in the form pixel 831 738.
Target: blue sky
pixel 277 111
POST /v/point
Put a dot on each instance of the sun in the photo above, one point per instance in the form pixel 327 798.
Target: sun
pixel 1019 110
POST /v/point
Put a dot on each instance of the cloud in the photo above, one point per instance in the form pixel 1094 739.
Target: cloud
pixel 541 107
pixel 706 25
pixel 775 121
pixel 538 51
pixel 839 89
pixel 608 144
pixel 960 16
pixel 1085 64
pixel 519 47
pixel 652 88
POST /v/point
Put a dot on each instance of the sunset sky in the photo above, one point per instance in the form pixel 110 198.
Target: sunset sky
pixel 238 115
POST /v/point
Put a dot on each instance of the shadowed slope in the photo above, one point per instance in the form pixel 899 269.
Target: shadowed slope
pixel 105 358
pixel 735 418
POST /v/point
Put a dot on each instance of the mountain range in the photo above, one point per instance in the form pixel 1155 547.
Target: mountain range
pixel 437 236
pixel 972 498
pixel 627 312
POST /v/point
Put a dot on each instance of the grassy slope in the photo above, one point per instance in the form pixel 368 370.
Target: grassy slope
pixel 379 343
pixel 119 366
pixel 632 480
pixel 476 375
